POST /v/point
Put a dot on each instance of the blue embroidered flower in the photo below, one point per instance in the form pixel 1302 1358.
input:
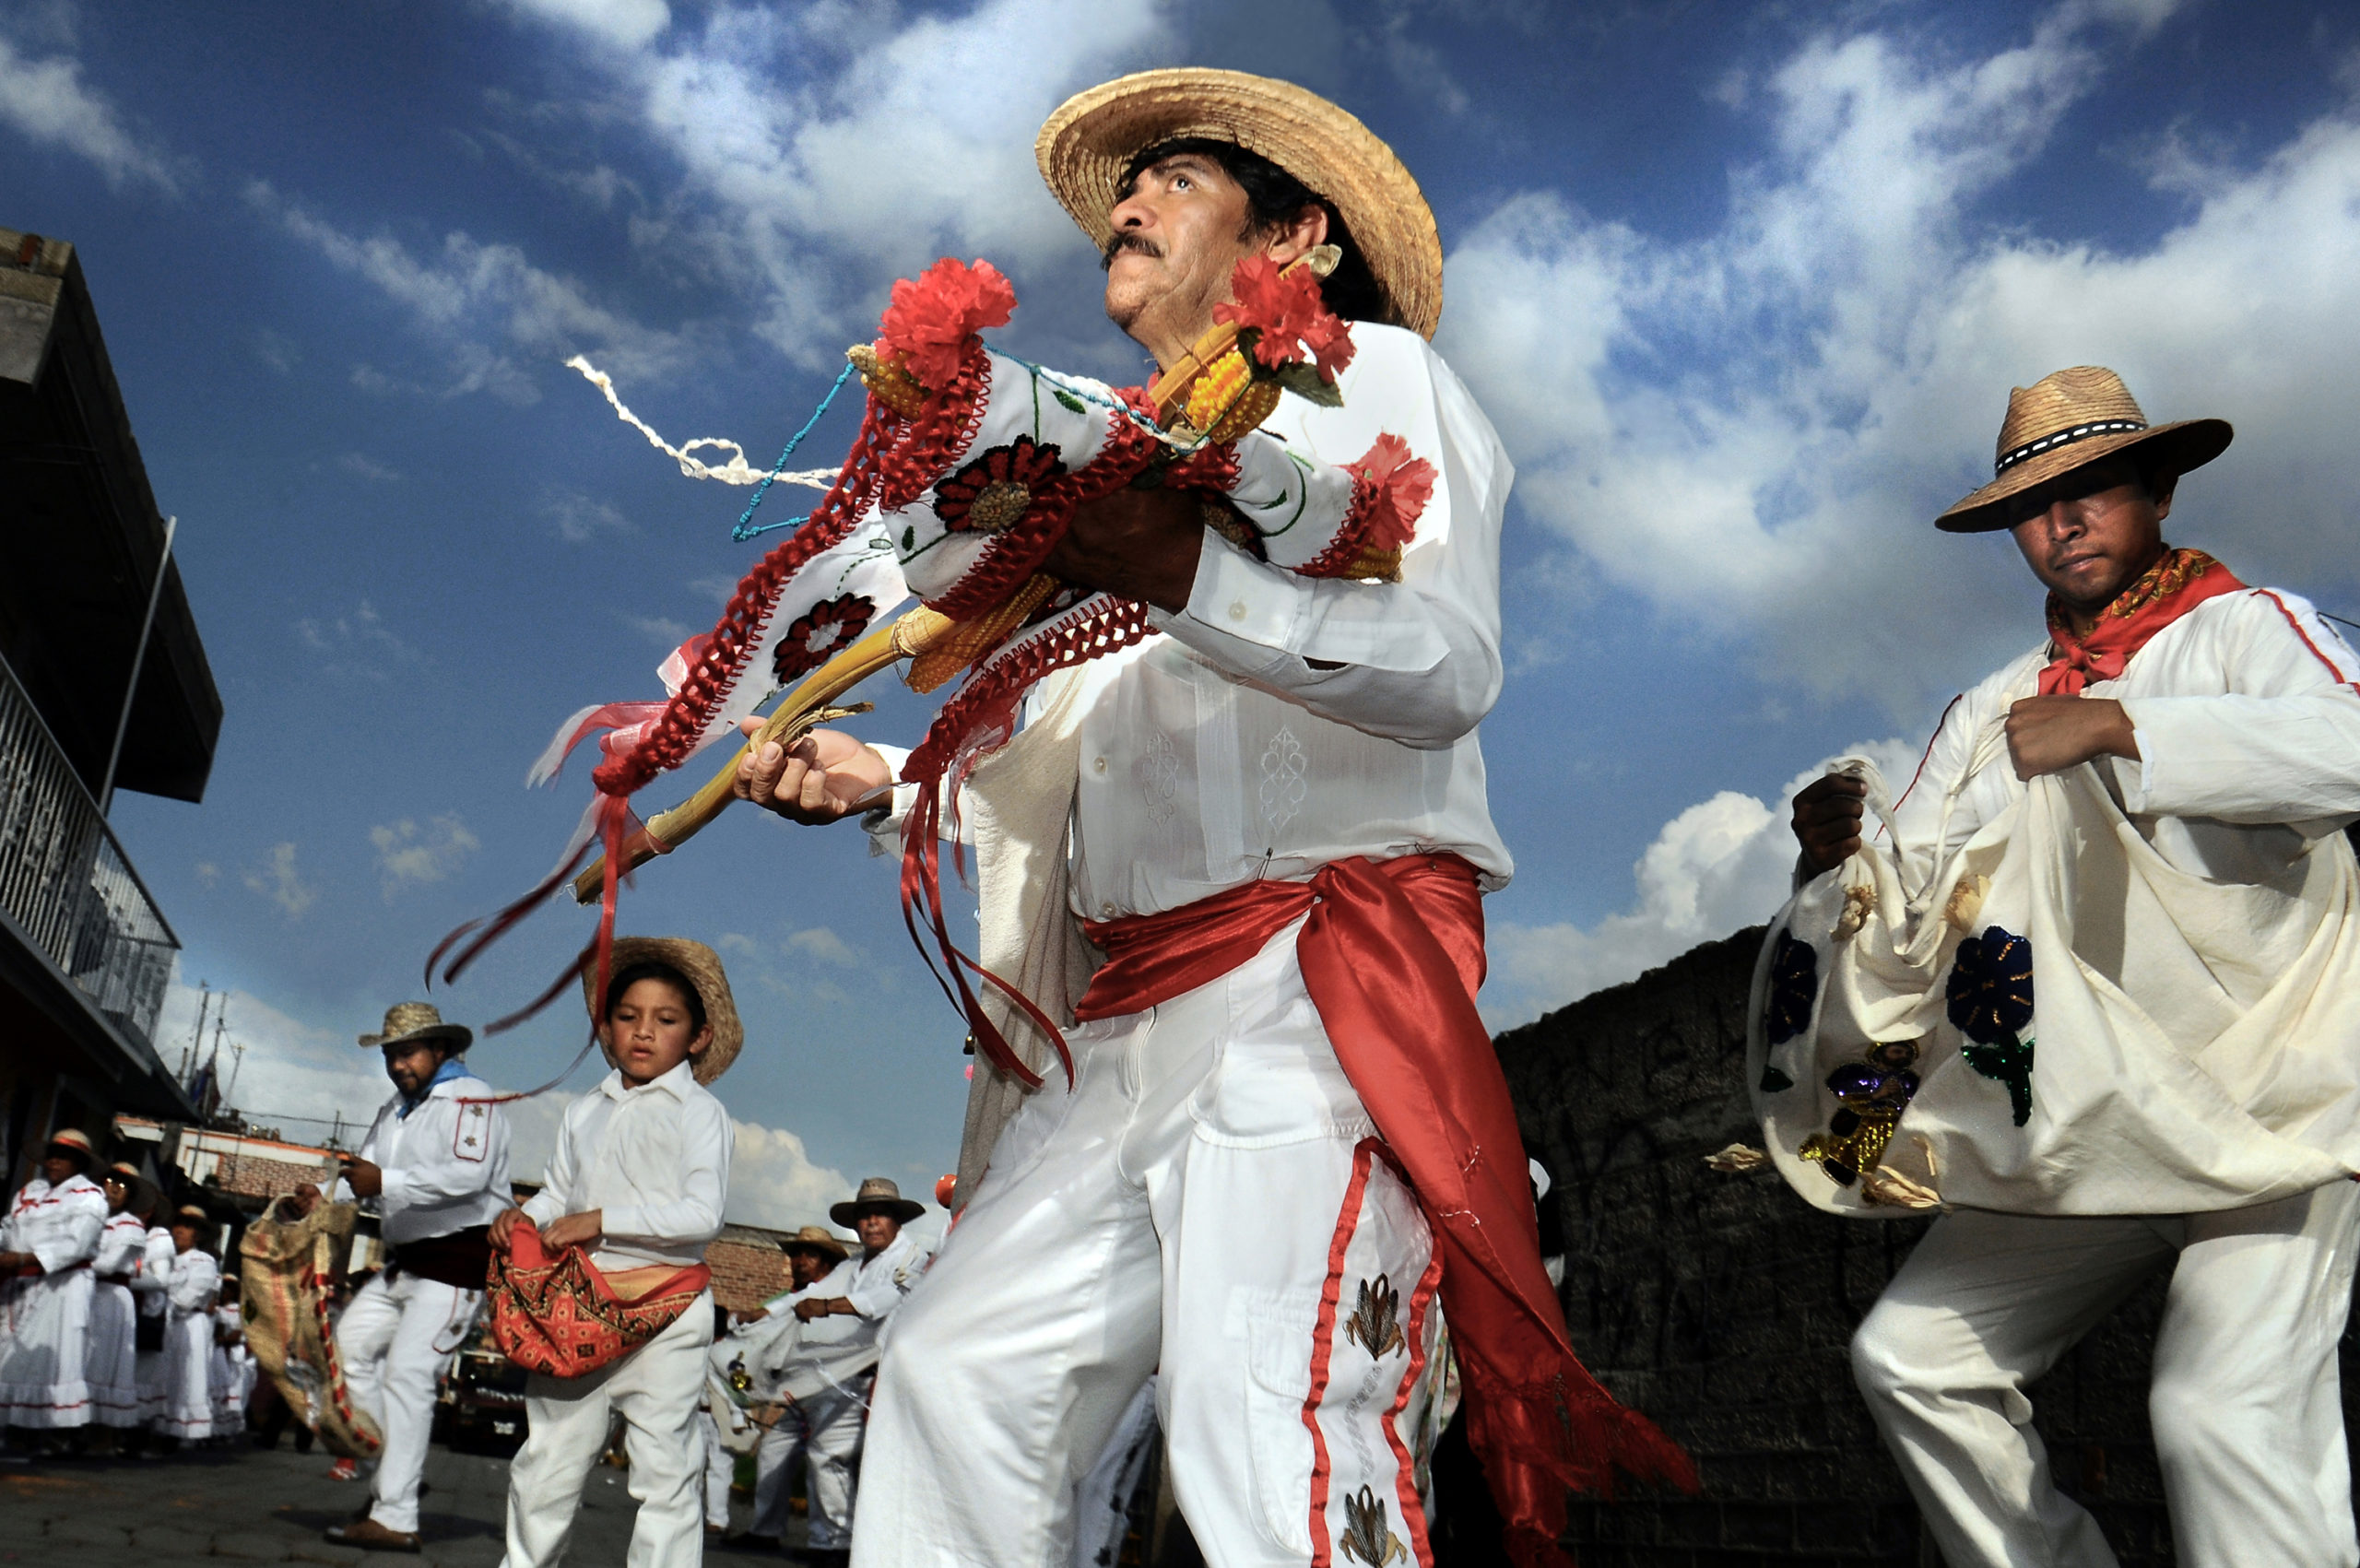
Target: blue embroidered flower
pixel 1990 1003
pixel 1794 986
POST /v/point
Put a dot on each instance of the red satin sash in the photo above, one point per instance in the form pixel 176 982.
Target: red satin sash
pixel 2165 591
pixel 1392 953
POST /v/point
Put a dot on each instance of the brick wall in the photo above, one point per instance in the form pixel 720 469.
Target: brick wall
pixel 1723 1305
pixel 258 1175
pixel 747 1267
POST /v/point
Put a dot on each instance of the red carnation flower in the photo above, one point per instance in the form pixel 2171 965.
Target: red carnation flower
pixel 1398 485
pixel 819 634
pixel 992 493
pixel 934 315
pixel 1289 319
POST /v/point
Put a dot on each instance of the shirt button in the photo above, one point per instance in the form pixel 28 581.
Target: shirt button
pixel 1238 609
pixel 1106 911
pixel 1099 765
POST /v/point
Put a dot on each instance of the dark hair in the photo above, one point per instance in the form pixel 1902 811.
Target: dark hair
pixel 1275 198
pixel 655 969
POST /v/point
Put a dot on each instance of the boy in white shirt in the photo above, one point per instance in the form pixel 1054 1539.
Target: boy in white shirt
pixel 639 1180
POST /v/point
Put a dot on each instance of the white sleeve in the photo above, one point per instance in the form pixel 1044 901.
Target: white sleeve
pixel 2281 746
pixel 1419 660
pixel 195 1277
pixel 74 1235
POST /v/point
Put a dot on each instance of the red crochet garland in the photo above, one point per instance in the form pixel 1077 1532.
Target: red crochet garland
pixel 978 721
pixel 1389 493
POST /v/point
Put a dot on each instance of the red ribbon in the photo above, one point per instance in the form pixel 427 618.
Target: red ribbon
pixel 1392 953
pixel 2168 590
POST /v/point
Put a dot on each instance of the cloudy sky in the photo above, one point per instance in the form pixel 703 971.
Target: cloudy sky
pixel 1742 286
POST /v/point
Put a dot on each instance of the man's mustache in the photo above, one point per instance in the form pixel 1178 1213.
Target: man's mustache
pixel 1121 243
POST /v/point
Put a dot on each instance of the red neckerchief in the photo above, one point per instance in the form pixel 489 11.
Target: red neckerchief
pixel 1392 952
pixel 2169 589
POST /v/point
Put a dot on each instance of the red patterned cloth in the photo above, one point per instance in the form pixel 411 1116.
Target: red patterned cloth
pixel 1392 952
pixel 559 1315
pixel 2168 590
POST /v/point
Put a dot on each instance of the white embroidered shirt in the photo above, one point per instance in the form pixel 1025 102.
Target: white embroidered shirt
pixel 445 1164
pixel 653 1160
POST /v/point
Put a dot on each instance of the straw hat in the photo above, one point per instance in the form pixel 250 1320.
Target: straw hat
pixel 815 1238
pixel 142 1192
pixel 411 1023
pixel 1086 146
pixel 2068 420
pixel 701 966
pixel 878 1195
pixel 79 1141
pixel 191 1215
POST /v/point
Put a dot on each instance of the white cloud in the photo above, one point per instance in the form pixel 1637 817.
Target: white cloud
pixel 823 945
pixel 1754 429
pixel 295 1076
pixel 408 854
pixel 1719 865
pixel 354 643
pixel 660 629
pixel 368 467
pixel 278 880
pixel 579 519
pixel 773 1181
pixel 469 295
pixel 626 22
pixel 47 101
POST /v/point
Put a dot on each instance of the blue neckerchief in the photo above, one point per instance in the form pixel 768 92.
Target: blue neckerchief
pixel 452 1067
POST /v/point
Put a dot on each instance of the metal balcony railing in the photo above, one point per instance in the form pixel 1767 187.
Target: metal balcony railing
pixel 66 883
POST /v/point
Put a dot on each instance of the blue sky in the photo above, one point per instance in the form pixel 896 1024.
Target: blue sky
pixel 1743 286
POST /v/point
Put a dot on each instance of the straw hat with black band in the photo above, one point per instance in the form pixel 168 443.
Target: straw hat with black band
pixel 818 1239
pixel 701 967
pixel 878 1195
pixel 415 1023
pixel 1086 147
pixel 2070 419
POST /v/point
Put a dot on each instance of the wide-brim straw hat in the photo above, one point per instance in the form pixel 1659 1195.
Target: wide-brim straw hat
pixel 701 967
pixel 77 1142
pixel 143 1194
pixel 878 1195
pixel 191 1215
pixel 816 1238
pixel 1086 146
pixel 2070 419
pixel 411 1023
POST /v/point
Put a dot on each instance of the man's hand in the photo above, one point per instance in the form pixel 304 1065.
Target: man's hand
pixel 367 1180
pixel 1136 544
pixel 575 1230
pixel 2049 734
pixel 1827 820
pixel 824 776
pixel 503 1226
pixel 808 1311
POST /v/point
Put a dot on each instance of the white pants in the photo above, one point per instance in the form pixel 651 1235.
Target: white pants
pixel 1211 1196
pixel 720 1469
pixel 835 1422
pixel 656 1389
pixel 2246 1402
pixel 394 1339
pixel 775 1459
pixel 113 1364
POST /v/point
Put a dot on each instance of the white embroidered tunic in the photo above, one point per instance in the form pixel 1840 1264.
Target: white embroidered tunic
pixel 653 1160
pixel 1218 754
pixel 58 1225
pixel 445 1164
pixel 2124 988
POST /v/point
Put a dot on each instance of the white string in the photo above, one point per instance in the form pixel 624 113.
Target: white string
pixel 736 471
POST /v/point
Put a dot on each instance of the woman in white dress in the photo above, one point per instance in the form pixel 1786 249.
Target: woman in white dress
pixel 150 1278
pixel 46 1249
pixel 188 1329
pixel 111 1368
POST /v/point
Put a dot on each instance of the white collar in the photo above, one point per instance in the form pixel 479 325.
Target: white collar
pixel 675 1083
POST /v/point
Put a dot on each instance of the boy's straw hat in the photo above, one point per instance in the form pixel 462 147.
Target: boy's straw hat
pixel 1088 143
pixel 701 967
pixel 411 1023
pixel 815 1238
pixel 2068 420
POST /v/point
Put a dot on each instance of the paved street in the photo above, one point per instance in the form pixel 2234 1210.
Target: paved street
pixel 241 1505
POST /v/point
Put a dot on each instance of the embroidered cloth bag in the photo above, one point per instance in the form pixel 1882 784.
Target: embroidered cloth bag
pixel 2056 1020
pixel 560 1317
pixel 285 1261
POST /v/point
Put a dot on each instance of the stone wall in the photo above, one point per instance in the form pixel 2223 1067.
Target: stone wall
pixel 1723 1305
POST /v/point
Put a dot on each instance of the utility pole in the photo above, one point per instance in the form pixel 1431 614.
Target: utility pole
pixel 229 1095
pixel 196 1037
